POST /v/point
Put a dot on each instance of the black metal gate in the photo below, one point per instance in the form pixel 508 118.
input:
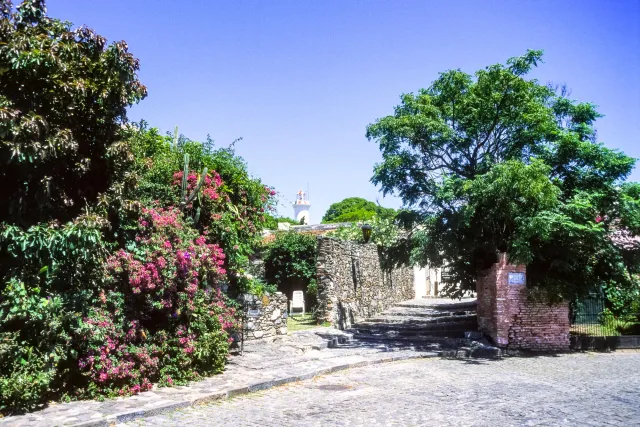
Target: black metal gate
pixel 590 317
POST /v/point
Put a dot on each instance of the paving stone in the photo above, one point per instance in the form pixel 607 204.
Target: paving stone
pixel 571 389
pixel 264 364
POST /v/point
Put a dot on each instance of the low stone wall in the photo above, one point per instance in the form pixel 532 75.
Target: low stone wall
pixel 352 285
pixel 265 316
pixel 511 319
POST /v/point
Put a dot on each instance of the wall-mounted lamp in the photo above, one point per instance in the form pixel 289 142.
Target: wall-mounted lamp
pixel 366 232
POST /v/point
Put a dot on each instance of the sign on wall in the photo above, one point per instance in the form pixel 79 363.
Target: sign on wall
pixel 253 312
pixel 517 279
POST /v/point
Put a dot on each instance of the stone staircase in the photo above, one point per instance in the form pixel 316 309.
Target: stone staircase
pixel 444 326
pixel 422 321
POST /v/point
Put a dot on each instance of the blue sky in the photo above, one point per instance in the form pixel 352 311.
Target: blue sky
pixel 300 80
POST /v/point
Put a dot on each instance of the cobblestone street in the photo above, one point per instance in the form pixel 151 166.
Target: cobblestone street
pixel 593 389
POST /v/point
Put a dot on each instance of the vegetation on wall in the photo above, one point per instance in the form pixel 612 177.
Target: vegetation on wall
pixel 384 232
pixel 497 162
pixel 354 209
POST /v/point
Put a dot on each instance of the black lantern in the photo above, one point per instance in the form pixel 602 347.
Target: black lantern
pixel 366 232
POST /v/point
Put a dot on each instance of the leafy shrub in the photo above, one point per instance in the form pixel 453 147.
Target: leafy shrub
pixel 259 287
pixel 48 277
pixel 291 258
pixel 34 345
pixel 233 217
pixel 107 282
pixel 161 316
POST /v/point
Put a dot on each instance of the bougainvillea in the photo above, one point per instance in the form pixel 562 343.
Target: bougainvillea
pixel 233 206
pixel 161 317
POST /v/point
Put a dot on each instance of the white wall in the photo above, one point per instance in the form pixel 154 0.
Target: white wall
pixel 420 282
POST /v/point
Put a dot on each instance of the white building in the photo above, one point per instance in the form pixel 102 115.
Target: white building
pixel 301 208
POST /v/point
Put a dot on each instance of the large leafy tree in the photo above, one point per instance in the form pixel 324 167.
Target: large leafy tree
pixel 355 209
pixel 63 99
pixel 497 162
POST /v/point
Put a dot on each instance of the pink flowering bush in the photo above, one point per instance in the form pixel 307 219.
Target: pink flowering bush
pixel 161 317
pixel 231 217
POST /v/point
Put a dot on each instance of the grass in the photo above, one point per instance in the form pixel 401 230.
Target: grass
pixel 613 327
pixel 303 323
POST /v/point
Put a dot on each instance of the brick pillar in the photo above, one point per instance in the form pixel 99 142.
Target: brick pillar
pixel 511 319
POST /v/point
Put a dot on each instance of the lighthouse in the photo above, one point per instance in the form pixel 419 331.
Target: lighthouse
pixel 301 208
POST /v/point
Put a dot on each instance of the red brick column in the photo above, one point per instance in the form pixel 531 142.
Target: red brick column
pixel 511 319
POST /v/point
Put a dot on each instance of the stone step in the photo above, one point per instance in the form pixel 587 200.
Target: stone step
pixel 448 347
pixel 434 330
pixel 444 341
pixel 418 320
pixel 453 305
pixel 426 313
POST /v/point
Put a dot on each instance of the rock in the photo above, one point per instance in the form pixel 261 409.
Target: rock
pixel 267 321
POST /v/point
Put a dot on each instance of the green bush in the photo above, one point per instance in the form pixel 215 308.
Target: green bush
pixel 34 346
pixel 235 220
pixel 109 280
pixel 291 257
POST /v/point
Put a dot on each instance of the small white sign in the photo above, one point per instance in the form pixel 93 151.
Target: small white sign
pixel 517 279
pixel 253 312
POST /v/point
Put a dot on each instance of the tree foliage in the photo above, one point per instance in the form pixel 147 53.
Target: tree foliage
pixel 292 257
pixel 497 162
pixel 354 209
pixel 63 98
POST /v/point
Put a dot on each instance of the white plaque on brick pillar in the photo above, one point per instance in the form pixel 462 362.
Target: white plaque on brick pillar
pixel 517 279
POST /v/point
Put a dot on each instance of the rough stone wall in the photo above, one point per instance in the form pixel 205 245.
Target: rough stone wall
pixel 511 319
pixel 352 285
pixel 265 316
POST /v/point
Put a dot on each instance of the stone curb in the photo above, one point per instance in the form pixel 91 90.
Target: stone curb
pixel 228 394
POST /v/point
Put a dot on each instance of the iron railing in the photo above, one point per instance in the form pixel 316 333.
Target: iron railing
pixel 590 317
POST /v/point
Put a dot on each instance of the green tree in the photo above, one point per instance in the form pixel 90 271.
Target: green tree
pixel 497 162
pixel 354 209
pixel 291 259
pixel 63 99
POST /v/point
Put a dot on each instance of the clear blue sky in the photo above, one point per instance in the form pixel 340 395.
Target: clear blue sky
pixel 300 80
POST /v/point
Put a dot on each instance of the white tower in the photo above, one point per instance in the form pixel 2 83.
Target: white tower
pixel 301 208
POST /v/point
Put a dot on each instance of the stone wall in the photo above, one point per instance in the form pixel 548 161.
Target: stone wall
pixel 511 319
pixel 265 316
pixel 352 285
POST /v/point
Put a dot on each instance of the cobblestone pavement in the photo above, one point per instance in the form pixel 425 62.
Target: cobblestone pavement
pixel 593 389
pixel 264 364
